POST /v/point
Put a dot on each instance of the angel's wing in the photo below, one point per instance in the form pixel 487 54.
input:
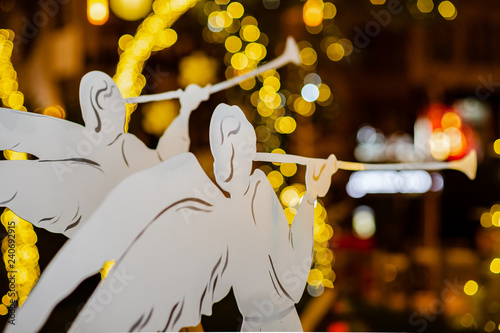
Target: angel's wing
pixel 169 276
pixel 117 228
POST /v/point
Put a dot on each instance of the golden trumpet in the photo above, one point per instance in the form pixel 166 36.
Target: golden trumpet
pixel 467 165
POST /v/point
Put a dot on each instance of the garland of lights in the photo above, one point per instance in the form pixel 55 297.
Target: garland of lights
pixel 152 35
pixel 20 255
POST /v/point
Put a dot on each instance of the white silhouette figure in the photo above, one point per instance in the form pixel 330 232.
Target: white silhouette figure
pixel 78 165
pixel 269 261
pixel 186 248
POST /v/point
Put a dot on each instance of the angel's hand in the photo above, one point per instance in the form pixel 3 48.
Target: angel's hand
pixel 76 166
pixel 192 97
pixel 319 176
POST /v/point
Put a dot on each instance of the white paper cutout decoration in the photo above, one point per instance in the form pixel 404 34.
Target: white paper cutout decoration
pixel 186 248
pixel 78 165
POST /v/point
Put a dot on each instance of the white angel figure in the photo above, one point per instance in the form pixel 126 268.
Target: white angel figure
pixel 188 245
pixel 78 165
pixel 269 261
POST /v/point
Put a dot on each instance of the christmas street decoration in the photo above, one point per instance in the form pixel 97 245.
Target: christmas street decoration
pixel 86 162
pixel 188 245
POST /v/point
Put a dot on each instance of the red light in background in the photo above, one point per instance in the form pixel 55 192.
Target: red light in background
pixel 339 326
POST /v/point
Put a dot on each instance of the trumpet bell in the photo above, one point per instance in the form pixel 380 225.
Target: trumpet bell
pixel 467 165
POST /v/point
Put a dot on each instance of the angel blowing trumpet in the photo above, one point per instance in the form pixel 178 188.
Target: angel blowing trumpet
pixel 466 165
pixel 87 162
pixel 193 246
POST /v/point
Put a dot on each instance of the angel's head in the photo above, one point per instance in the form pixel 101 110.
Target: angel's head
pixel 233 145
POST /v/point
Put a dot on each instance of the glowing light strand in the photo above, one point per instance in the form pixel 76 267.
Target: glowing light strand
pixel 152 35
pixel 19 251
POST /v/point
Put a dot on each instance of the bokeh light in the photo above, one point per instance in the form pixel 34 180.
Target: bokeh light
pixel 363 222
pixel 471 287
pixel 97 11
pixel 131 10
pixel 447 10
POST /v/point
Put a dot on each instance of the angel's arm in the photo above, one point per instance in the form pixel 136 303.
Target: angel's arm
pixel 175 140
pixel 302 229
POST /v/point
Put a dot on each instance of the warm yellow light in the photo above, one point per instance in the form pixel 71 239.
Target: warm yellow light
pixel 451 119
pixel 377 2
pixel 495 266
pixel 425 6
pixel 239 61
pixel 447 10
pixel 235 9
pixel 131 10
pixel 272 82
pixel 255 51
pixel 16 100
pixel 287 125
pixel 250 33
pixel 288 169
pixel 304 107
pixel 263 110
pixel 97 11
pixel 158 116
pixel 14 155
pixel 308 56
pixel 267 94
pixel 29 237
pixel 290 215
pixel 313 12
pixel 495 219
pixel 55 111
pixel 471 287
pixel 124 40
pixel 324 93
pixel 290 195
pixel 197 68
pixel 3 310
pixel 486 220
pixel 315 277
pixel 106 268
pixel 496 146
pixel 275 178
pixel 215 21
pixel 335 52
pixel 226 18
pixel 233 44
pixel 329 11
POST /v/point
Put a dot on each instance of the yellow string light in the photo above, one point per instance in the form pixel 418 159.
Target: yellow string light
pixel 152 35
pixel 20 254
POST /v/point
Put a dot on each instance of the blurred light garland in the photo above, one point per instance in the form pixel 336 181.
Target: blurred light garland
pixel 152 35
pixel 20 255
